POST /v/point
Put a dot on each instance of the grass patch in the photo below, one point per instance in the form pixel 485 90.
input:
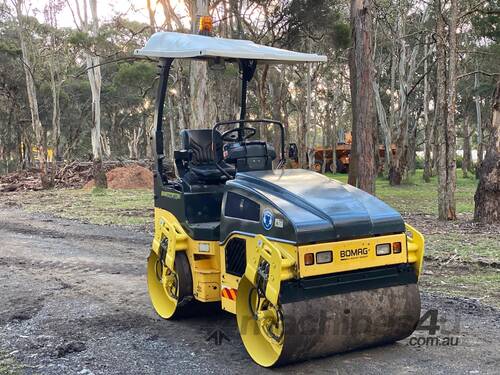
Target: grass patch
pixel 480 284
pixel 417 196
pixel 135 207
pixel 9 365
pixel 467 246
pixel 97 206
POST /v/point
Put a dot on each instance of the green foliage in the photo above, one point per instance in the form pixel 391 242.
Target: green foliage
pixel 417 196
pixel 9 365
pixel 135 75
pixel 320 18
pixel 487 19
pixel 419 162
pixel 97 191
pixel 341 35
pixel 80 39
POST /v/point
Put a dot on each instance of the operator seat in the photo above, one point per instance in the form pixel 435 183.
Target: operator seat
pixel 199 165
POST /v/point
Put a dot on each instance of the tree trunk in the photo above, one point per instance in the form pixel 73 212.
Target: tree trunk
pixel 302 139
pixel 435 138
pixel 333 139
pixel 487 197
pixel 407 69
pixel 441 110
pixel 479 125
pixel 309 148
pixel 427 124
pixel 412 147
pixel 467 157
pixel 276 94
pixel 151 14
pixel 56 111
pixel 384 125
pixel 261 83
pixel 398 165
pixel 173 131
pixel 94 74
pixel 149 133
pixel 198 76
pixel 446 113
pixel 32 97
pixel 334 115
pixel 352 177
pixel 171 19
pixel 448 209
pixel 361 28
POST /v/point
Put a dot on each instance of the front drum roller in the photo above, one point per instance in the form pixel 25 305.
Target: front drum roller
pixel 171 291
pixel 297 331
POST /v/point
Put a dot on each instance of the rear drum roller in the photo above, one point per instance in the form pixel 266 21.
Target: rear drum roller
pixel 170 290
pixel 300 330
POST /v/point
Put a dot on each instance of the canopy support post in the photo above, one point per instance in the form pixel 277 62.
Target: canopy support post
pixel 247 70
pixel 165 64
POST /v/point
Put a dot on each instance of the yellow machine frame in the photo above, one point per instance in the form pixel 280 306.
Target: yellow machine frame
pixel 212 283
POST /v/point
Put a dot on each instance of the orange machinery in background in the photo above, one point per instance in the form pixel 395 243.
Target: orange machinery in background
pixel 325 155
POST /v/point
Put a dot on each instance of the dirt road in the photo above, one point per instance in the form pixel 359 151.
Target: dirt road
pixel 73 300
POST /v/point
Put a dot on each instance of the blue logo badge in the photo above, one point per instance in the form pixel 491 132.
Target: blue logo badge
pixel 267 219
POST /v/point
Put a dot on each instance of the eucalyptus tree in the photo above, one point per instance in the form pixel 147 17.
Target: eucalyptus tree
pixel 487 196
pixel 89 29
pixel 28 56
pixel 362 168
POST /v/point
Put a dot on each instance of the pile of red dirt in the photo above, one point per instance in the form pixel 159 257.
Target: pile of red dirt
pixel 129 177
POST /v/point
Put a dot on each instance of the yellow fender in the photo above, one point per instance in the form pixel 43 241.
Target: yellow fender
pixel 416 247
pixel 176 239
pixel 281 266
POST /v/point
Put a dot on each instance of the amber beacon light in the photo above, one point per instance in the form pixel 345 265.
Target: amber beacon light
pixel 206 25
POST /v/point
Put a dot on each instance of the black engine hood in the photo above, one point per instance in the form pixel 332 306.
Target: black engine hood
pixel 318 208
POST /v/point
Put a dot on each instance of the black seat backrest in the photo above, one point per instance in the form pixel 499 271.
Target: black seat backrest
pixel 196 164
pixel 199 143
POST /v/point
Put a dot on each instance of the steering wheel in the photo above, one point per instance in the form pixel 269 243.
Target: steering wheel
pixel 233 134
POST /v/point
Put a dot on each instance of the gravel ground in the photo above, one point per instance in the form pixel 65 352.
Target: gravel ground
pixel 73 300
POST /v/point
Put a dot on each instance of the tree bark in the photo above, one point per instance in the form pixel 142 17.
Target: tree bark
pixel 171 19
pixel 412 147
pixel 441 110
pixel 487 197
pixel 447 165
pixel 302 139
pixel 352 177
pixel 198 76
pixel 32 96
pixel 384 125
pixel 451 136
pixel 151 14
pixel 427 125
pixel 362 80
pixel 446 108
pixel 479 125
pixel 94 75
pixel 309 148
pixel 55 84
pixel 467 157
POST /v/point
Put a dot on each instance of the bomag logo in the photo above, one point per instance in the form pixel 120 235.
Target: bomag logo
pixel 354 253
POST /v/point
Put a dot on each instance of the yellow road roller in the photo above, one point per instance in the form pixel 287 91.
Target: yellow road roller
pixel 309 266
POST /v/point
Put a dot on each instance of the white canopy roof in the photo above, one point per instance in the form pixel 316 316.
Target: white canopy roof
pixel 178 45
